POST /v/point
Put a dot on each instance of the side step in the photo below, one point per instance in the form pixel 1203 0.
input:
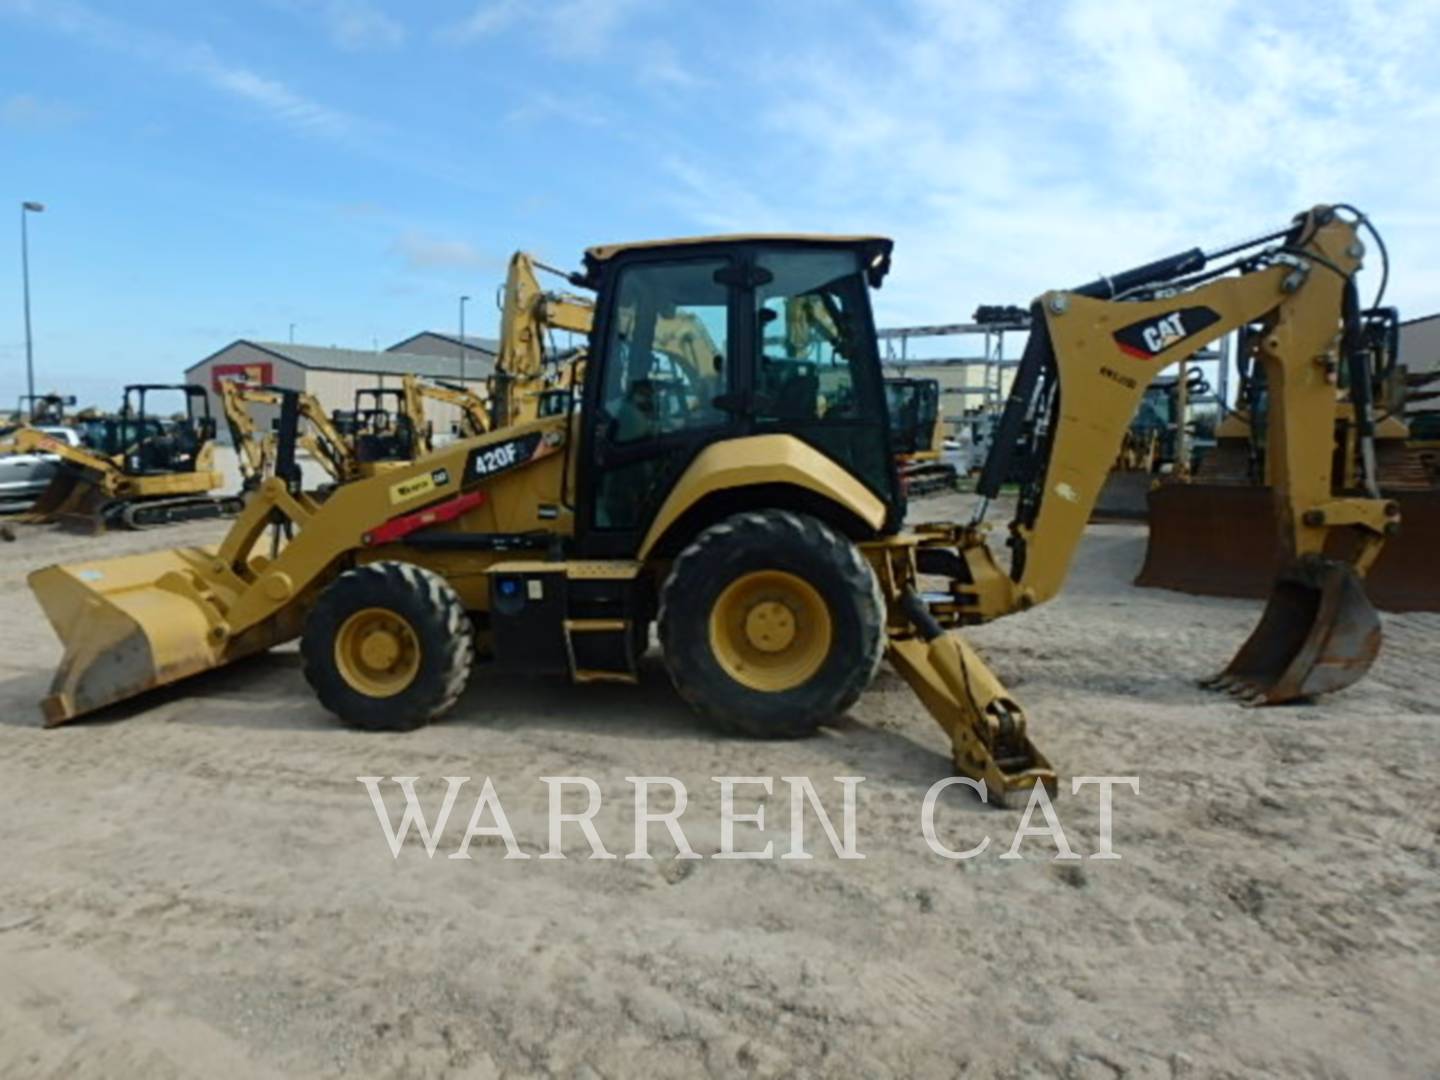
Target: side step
pixel 583 619
pixel 602 650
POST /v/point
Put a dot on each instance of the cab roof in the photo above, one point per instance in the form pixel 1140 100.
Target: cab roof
pixel 602 252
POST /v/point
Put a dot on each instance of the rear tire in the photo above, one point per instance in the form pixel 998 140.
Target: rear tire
pixel 772 623
pixel 388 646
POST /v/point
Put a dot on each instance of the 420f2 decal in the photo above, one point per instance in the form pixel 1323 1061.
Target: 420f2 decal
pixel 498 457
pixel 1150 337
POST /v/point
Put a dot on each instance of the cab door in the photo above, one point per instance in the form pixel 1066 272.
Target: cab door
pixel 661 394
pixel 816 372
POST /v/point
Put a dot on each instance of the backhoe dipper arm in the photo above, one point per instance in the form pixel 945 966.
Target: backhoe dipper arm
pixel 28 440
pixel 473 407
pixel 412 401
pixel 1083 375
pixel 1093 358
pixel 242 432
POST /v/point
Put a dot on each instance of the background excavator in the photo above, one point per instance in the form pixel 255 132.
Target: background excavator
pixel 757 520
pixel 38 410
pixel 256 454
pixel 1159 447
pixel 917 429
pixel 474 409
pixel 388 426
pixel 135 469
pixel 1189 551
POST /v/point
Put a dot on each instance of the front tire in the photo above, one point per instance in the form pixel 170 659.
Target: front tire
pixel 388 646
pixel 771 622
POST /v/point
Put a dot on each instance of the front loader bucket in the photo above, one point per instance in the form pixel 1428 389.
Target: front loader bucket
pixel 1406 575
pixel 1224 540
pixel 1319 634
pixel 134 623
pixel 1123 496
pixel 1211 540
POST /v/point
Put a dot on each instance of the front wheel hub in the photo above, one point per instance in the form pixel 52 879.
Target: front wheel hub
pixel 377 652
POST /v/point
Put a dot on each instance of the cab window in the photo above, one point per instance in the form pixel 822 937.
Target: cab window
pixel 805 323
pixel 666 351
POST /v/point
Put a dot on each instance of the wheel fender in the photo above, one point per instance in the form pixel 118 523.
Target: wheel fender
pixel 763 459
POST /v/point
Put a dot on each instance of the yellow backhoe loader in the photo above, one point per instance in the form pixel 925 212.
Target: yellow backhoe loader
pixel 1187 552
pixel 134 470
pixel 748 504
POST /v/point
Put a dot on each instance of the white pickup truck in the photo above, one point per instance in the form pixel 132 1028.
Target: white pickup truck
pixel 24 476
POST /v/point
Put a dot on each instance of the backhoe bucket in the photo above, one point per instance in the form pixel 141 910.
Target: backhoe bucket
pixel 134 623
pixel 73 500
pixel 1319 634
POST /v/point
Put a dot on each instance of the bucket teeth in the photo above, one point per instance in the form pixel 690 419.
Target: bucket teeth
pixel 1319 633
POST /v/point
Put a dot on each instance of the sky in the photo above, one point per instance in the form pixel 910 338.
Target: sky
pixel 221 170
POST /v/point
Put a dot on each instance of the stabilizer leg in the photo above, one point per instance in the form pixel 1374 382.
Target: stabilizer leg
pixel 987 728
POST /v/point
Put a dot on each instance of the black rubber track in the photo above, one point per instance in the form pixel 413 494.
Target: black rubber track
pixel 772 540
pixel 436 614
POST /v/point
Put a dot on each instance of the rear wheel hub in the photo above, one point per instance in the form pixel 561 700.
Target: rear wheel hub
pixel 770 630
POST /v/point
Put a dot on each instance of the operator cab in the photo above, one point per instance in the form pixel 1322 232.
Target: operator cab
pixel 379 427
pixel 701 341
pixel 914 406
pixel 156 446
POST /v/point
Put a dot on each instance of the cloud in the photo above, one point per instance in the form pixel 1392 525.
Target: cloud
pixel 542 107
pixel 283 103
pixel 424 251
pixel 351 25
pixel 26 112
pixel 663 68
pixel 1009 154
pixel 192 59
pixel 576 28
pixel 356 25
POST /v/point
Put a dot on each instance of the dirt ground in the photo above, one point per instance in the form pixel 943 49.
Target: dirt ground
pixel 200 886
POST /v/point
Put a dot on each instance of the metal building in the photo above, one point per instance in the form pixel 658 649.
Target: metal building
pixel 471 357
pixel 1420 353
pixel 332 375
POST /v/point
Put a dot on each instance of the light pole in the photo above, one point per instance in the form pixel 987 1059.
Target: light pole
pixel 463 301
pixel 292 333
pixel 28 208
